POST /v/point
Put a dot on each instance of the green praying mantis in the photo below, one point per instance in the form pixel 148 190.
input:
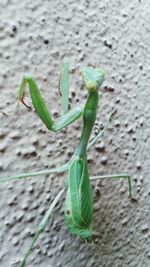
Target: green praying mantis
pixel 78 210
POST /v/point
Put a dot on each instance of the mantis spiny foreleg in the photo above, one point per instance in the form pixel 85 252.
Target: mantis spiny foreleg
pixel 40 106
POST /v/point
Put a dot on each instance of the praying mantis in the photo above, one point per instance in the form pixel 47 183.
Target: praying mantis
pixel 78 208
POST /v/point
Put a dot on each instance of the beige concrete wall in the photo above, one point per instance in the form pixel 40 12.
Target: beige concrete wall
pixel 35 36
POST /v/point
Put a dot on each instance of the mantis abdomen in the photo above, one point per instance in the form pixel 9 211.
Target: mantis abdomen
pixel 79 203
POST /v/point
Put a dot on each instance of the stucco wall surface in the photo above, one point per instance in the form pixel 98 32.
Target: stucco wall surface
pixel 35 37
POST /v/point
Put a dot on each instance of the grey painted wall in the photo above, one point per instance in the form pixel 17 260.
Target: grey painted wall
pixel 35 36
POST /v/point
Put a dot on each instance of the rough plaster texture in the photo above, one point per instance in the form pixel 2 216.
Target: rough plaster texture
pixel 35 36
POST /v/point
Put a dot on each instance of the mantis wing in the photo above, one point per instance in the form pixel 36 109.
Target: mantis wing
pixel 79 203
pixel 64 87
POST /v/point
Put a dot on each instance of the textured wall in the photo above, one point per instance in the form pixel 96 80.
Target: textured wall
pixel 35 36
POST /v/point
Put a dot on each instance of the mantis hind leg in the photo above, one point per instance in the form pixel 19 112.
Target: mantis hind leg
pixel 116 176
pixel 41 227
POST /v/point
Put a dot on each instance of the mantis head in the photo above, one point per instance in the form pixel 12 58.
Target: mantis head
pixel 93 77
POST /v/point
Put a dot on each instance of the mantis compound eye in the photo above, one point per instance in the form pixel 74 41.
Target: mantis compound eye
pixel 68 212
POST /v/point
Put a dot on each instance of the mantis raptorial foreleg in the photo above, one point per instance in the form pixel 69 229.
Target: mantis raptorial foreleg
pixel 42 110
pixel 40 106
pixel 64 87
